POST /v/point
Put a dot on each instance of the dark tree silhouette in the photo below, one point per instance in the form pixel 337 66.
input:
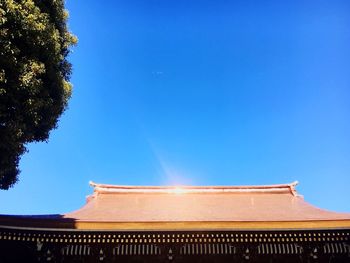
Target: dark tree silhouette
pixel 34 76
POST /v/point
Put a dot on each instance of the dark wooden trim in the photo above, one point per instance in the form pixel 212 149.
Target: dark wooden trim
pixel 19 245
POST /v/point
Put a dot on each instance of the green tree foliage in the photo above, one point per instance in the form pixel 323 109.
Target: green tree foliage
pixel 34 76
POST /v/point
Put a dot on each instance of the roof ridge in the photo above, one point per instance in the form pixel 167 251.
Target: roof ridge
pixel 275 188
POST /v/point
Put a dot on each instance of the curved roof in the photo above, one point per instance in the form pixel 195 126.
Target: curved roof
pixel 229 205
pixel 197 207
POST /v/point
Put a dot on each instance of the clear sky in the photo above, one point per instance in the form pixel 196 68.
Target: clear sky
pixel 199 93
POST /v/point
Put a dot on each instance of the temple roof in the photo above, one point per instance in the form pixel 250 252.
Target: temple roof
pixel 198 207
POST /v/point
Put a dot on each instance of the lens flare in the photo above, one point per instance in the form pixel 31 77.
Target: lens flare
pixel 178 190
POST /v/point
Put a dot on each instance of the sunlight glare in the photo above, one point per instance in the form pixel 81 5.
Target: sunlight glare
pixel 179 190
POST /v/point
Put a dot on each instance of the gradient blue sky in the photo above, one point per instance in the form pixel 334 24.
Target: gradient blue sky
pixel 201 93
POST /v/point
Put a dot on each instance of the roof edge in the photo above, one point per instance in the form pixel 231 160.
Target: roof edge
pixel 62 224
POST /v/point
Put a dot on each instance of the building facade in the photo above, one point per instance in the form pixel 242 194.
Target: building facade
pixel 181 224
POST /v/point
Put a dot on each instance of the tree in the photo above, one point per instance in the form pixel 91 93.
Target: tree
pixel 34 76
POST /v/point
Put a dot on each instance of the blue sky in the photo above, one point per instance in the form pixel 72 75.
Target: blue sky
pixel 200 93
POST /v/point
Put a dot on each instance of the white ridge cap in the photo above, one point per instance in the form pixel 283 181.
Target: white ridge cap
pixel 185 189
